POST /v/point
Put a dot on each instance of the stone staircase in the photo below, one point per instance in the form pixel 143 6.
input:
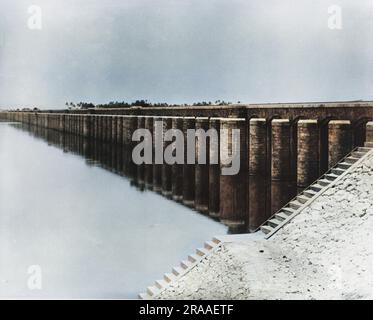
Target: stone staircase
pixel 273 224
pixel 180 270
pixel 304 199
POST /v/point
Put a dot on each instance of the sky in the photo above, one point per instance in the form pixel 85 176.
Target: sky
pixel 183 51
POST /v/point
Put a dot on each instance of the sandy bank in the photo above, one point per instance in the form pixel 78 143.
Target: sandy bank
pixel 324 253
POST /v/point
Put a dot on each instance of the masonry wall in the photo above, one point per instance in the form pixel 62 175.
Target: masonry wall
pixel 283 143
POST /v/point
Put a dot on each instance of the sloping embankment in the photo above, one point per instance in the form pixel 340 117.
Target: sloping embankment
pixel 326 252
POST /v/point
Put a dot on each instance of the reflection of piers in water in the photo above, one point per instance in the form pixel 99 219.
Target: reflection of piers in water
pixel 117 158
pixel 282 147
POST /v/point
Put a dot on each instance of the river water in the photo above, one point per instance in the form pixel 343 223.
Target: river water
pixel 87 231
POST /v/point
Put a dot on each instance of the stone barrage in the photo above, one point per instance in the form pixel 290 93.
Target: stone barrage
pixel 282 147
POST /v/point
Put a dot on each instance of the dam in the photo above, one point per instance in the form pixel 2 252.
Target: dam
pixel 283 149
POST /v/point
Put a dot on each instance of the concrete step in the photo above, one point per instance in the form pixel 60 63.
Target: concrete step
pixel 288 210
pixel 344 165
pixel 309 193
pixel 185 264
pixel 337 171
pixel 169 277
pixel 281 216
pixel 274 223
pixel 331 176
pixel 302 199
pixel 363 149
pixel 295 204
pixel 202 252
pixel 160 284
pixel 144 296
pixel 316 187
pixel 266 229
pixel 358 154
pixel 351 159
pixel 177 271
pixel 216 240
pixel 210 245
pixel 193 258
pixel 152 290
pixel 324 182
pixel 368 144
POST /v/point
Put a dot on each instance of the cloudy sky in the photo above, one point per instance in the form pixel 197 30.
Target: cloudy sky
pixel 180 51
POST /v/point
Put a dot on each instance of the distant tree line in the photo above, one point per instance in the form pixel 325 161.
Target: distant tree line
pixel 138 103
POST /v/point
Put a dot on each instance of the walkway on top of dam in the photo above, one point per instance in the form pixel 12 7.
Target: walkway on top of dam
pixel 354 111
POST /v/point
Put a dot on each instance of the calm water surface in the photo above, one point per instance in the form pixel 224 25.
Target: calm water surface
pixel 91 232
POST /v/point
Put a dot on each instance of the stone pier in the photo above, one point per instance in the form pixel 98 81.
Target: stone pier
pixel 369 134
pixel 114 128
pixel 257 173
pixel 258 147
pixel 214 172
pixel 233 188
pixel 157 142
pixel 166 168
pixel 148 176
pixel 202 165
pixel 140 168
pixel 281 150
pixel 177 168
pixel 340 140
pixel 188 168
pixel 307 152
